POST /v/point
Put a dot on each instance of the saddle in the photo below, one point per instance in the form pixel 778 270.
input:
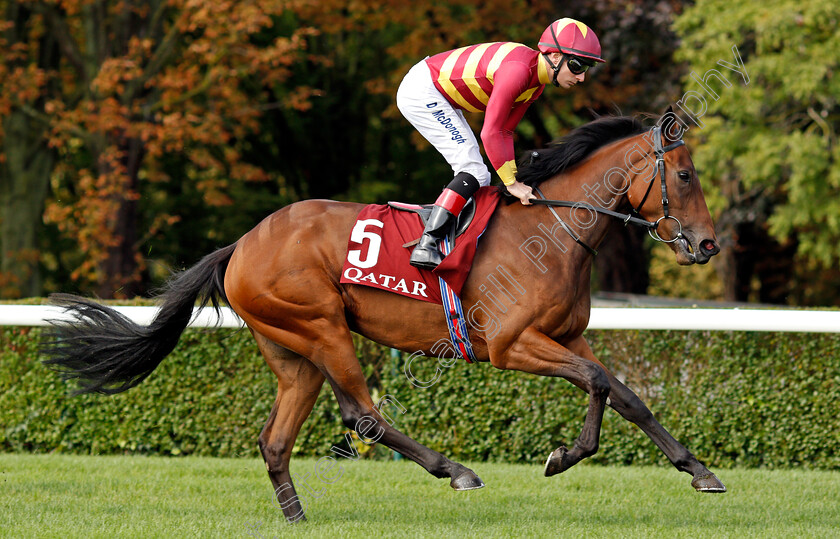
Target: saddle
pixel 424 210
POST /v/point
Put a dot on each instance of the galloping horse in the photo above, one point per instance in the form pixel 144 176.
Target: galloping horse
pixel 283 279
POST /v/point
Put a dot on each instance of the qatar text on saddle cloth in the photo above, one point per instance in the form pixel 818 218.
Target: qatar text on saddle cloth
pixel 376 256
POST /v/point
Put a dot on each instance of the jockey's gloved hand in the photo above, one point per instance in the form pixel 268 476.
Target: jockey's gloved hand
pixel 521 191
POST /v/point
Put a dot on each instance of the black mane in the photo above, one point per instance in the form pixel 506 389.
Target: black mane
pixel 538 165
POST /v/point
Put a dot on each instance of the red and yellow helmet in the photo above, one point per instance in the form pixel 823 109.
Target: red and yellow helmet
pixel 571 37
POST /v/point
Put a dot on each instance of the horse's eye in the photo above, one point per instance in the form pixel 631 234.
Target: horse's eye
pixel 684 175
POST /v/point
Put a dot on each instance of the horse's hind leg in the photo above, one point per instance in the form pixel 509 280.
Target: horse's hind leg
pixel 298 385
pixel 630 407
pixel 337 358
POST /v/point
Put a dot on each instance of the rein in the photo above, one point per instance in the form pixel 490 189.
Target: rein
pixel 630 218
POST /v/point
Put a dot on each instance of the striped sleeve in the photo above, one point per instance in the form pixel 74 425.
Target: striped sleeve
pixel 502 116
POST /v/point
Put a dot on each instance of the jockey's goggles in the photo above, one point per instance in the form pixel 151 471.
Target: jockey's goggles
pixel 577 65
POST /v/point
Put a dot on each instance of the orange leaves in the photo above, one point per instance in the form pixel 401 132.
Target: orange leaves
pixel 214 191
pixel 248 173
pixel 21 85
pixel 113 74
pixel 225 21
pixel 299 98
pixel 141 95
pixel 89 121
pixel 336 16
pixel 91 219
pixel 70 7
pixel 107 116
pixel 213 172
pixel 273 63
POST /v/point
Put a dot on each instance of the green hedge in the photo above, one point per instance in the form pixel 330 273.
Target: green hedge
pixel 733 398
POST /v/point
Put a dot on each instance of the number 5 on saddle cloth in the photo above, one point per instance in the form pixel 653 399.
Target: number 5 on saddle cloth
pixel 380 246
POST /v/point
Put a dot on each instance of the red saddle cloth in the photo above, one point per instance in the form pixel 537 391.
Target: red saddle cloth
pixel 376 256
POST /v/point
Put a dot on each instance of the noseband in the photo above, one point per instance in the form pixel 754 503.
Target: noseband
pixel 659 151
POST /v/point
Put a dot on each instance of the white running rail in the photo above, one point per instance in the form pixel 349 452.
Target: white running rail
pixel 40 315
pixel 736 319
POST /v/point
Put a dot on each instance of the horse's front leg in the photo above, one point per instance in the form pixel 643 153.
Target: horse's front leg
pixel 631 408
pixel 534 352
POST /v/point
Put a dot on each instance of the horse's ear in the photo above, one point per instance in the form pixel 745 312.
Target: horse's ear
pixel 672 126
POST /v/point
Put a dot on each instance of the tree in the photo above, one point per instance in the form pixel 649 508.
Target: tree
pixel 195 118
pixel 25 161
pixel 132 84
pixel 767 141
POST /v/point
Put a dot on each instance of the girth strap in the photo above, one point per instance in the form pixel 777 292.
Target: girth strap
pixel 453 310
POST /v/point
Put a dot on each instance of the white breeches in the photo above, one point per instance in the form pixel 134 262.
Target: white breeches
pixel 440 123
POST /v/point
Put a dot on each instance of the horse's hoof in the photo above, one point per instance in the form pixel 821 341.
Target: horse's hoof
pixel 558 462
pixel 708 483
pixel 466 481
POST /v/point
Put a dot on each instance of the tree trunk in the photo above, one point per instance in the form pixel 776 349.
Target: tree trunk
pixel 24 181
pixel 753 255
pixel 121 269
pixel 623 260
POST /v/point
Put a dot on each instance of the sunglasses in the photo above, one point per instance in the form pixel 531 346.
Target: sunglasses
pixel 576 65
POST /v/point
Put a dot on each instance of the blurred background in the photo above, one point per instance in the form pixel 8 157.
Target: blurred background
pixel 136 137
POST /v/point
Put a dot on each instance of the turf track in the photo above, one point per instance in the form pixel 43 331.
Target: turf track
pixel 124 496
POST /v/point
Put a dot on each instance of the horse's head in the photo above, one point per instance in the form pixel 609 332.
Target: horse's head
pixel 669 194
pixel 657 179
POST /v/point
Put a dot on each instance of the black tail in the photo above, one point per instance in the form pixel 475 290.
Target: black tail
pixel 105 352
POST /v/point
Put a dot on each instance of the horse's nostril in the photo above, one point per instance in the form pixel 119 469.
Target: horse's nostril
pixel 708 246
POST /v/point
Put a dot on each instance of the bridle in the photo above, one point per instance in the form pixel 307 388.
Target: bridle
pixel 634 217
pixel 660 152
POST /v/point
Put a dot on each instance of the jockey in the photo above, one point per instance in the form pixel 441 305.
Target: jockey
pixel 501 79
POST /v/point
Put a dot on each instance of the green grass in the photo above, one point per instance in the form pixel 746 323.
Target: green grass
pixel 116 496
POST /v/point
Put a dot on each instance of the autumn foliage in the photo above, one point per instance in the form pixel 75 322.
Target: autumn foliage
pixel 137 136
pixel 129 85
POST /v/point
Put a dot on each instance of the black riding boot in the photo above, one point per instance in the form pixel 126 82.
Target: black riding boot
pixel 444 214
pixel 426 254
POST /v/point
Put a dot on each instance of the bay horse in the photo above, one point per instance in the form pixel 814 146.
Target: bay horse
pixel 282 279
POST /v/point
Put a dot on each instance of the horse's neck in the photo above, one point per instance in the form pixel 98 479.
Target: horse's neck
pixel 598 181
